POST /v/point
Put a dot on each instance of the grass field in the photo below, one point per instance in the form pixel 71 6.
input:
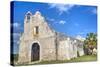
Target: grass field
pixel 85 58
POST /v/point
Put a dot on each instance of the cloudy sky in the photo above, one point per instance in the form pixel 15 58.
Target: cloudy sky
pixel 73 20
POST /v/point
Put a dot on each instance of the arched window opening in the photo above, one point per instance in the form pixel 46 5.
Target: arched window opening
pixel 28 17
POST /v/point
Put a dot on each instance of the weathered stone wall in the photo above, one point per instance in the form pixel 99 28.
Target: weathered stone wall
pixel 80 48
pixel 23 52
pixel 63 50
pixel 45 39
pixel 48 48
pixel 69 48
pixel 51 47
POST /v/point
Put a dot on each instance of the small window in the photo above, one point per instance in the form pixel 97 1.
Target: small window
pixel 36 30
pixel 28 17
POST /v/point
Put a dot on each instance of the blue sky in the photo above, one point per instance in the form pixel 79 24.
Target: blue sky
pixel 73 20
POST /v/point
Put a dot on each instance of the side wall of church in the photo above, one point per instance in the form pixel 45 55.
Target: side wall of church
pixel 63 50
pixel 68 49
pixel 80 48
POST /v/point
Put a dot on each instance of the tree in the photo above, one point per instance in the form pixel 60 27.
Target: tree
pixel 91 41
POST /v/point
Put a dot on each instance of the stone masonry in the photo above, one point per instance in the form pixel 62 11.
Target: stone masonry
pixel 39 42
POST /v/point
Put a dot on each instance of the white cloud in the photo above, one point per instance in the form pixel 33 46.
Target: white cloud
pixel 16 37
pixel 16 34
pixel 62 22
pixel 94 11
pixel 79 37
pixel 16 24
pixel 57 21
pixel 81 33
pixel 17 27
pixel 62 7
pixel 51 19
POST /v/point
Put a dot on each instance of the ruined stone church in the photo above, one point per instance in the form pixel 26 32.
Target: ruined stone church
pixel 39 42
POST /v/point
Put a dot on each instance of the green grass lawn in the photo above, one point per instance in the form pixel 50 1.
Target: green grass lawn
pixel 85 58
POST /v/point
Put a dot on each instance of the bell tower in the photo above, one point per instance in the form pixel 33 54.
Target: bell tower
pixel 27 20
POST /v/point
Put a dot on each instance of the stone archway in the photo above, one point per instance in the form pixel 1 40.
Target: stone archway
pixel 35 52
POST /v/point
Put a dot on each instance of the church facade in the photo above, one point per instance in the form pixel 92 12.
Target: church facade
pixel 39 42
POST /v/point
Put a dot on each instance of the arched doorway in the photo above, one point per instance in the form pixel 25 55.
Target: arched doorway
pixel 35 52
